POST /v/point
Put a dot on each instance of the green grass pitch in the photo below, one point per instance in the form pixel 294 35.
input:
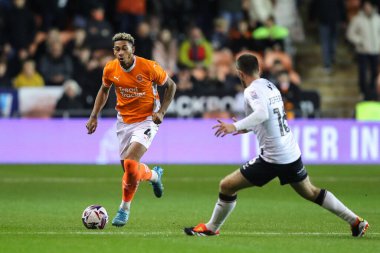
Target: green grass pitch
pixel 41 207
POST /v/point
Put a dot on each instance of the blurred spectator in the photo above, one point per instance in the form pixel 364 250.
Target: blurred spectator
pixel 271 72
pixel 5 81
pixel 203 84
pixel 52 36
pixel 56 67
pixel 219 38
pixel 330 13
pixel 144 41
pixel 165 51
pixel 51 13
pixel 286 14
pixel 291 95
pixel 184 83
pixel 204 14
pixel 376 95
pixel 70 99
pixel 99 31
pixel 352 7
pixel 2 28
pixel 364 32
pixel 241 38
pixel 5 4
pixel 183 11
pixel 270 35
pixel 20 29
pixel 131 13
pixel 260 10
pixel 77 42
pixel 80 10
pixel 195 50
pixel 28 77
pixel 231 11
pixel 81 58
pixel 222 70
pixel 20 26
pixel 93 71
pixel 284 62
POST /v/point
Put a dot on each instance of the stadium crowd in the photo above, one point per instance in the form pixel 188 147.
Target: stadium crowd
pixel 66 43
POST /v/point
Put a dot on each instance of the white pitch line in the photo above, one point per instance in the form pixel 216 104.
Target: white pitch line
pixel 81 180
pixel 140 233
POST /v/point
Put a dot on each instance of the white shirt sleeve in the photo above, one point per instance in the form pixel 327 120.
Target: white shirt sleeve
pixel 259 114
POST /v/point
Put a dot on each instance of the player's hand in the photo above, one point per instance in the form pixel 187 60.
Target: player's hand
pixel 158 117
pixel 91 125
pixel 222 129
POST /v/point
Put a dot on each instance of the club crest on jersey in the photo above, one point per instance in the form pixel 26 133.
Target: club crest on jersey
pixel 253 95
pixel 139 78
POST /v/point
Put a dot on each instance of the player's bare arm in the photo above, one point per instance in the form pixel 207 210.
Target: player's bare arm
pixel 100 101
pixel 170 88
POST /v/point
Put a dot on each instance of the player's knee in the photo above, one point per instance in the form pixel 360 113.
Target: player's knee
pixel 129 162
pixel 312 193
pixel 225 186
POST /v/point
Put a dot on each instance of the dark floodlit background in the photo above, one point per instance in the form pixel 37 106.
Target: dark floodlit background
pixel 322 56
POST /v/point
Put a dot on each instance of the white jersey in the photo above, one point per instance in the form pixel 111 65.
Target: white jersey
pixel 277 143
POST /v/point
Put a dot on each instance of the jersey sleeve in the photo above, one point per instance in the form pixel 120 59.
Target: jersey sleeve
pixel 157 73
pixel 105 78
pixel 259 107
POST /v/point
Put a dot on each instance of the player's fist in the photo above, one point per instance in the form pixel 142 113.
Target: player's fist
pixel 91 125
pixel 158 117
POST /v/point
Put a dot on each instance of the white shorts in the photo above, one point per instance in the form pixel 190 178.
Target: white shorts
pixel 142 132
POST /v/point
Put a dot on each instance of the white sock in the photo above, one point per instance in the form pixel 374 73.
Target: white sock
pixel 333 204
pixel 125 205
pixel 154 177
pixel 219 215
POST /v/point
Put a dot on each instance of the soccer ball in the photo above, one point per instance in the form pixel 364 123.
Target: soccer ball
pixel 94 217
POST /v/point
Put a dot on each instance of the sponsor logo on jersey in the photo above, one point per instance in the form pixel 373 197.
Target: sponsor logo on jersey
pixel 130 92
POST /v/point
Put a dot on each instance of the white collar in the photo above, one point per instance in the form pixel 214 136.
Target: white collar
pixel 131 67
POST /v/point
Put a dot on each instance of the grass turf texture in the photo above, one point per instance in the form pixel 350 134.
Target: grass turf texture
pixel 41 207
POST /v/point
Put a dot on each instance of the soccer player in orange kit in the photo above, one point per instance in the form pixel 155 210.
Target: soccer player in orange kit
pixel 139 115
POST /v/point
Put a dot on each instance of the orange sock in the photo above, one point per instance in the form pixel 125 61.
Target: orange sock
pixel 134 173
pixel 145 172
pixel 130 179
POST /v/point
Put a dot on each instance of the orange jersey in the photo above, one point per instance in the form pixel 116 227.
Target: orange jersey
pixel 136 88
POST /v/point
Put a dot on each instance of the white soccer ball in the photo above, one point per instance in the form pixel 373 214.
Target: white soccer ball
pixel 94 217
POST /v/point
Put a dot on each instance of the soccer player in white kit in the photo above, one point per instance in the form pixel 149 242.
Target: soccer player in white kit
pixel 279 156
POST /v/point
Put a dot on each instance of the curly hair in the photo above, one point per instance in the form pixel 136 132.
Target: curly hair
pixel 123 36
